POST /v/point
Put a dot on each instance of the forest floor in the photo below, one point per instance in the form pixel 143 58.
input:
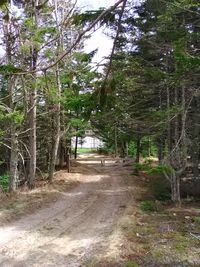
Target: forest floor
pixel 92 217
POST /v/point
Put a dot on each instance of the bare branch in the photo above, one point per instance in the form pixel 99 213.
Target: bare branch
pixel 115 42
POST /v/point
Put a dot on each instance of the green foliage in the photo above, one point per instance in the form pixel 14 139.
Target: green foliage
pixel 3 2
pixel 160 169
pixel 41 32
pixel 4 181
pixel 186 62
pixel 86 17
pixel 16 117
pixel 141 167
pixel 25 49
pixel 85 57
pixel 8 68
pixel 160 189
pixel 146 166
pixel 148 206
pixel 85 150
pixel 132 148
pixel 105 150
pixel 197 220
pixel 29 24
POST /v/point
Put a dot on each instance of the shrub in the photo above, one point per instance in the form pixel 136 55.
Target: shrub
pixel 160 169
pixel 197 220
pixel 148 205
pixel 132 149
pixel 141 167
pixel 160 189
pixel 4 181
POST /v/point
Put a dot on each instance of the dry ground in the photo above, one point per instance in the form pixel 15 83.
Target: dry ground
pixel 93 218
pixel 81 223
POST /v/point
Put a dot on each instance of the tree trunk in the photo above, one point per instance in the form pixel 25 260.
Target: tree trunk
pixel 76 147
pixel 13 161
pixel 57 118
pixel 32 139
pixel 169 134
pixel 33 110
pixel 116 142
pixel 196 137
pixel 67 159
pixel 13 168
pixel 62 153
pixel 56 129
pixel 14 154
pixel 175 188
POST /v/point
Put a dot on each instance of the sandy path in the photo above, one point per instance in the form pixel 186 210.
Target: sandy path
pixel 75 228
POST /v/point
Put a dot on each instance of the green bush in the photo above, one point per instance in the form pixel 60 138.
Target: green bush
pixel 160 189
pixel 160 169
pixel 132 149
pixel 4 181
pixel 148 206
pixel 141 167
pixel 197 219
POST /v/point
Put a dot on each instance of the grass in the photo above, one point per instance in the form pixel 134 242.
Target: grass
pixel 148 206
pixel 86 150
pixel 131 264
pixel 160 235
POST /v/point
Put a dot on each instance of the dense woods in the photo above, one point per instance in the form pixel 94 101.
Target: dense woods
pixel 145 102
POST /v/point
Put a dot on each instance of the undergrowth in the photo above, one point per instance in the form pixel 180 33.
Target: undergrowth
pixel 4 182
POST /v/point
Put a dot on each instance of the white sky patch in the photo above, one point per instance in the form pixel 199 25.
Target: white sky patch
pixel 98 39
pixel 94 4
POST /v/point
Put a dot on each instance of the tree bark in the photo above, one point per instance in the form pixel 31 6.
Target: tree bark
pixel 175 188
pixel 33 111
pixel 116 142
pixel 56 129
pixel 76 147
pixel 13 160
pixel 13 168
pixel 196 137
pixel 62 153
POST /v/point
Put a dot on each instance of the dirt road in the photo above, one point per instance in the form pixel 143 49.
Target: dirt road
pixel 75 229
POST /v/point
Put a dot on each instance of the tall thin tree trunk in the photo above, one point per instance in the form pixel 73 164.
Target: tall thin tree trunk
pixel 33 110
pixel 14 154
pixel 196 137
pixel 169 135
pixel 116 142
pixel 62 153
pixel 13 160
pixel 32 138
pixel 76 147
pixel 175 188
pixel 12 81
pixel 57 118
pixel 56 129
